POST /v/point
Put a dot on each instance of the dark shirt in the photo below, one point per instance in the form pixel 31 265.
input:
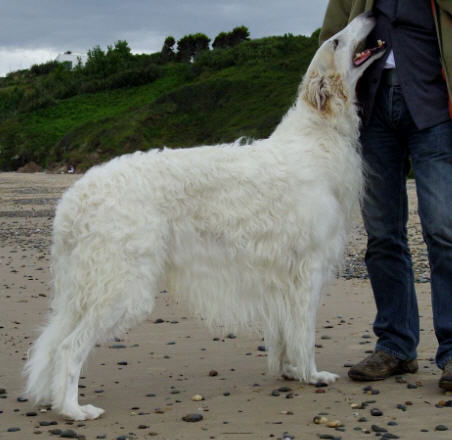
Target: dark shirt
pixel 409 30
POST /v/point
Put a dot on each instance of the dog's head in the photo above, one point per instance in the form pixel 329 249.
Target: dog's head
pixel 331 79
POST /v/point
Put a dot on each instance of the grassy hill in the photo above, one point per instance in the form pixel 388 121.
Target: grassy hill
pixel 69 117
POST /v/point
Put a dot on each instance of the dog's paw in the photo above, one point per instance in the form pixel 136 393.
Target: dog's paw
pixel 84 412
pixel 92 412
pixel 323 376
pixel 289 372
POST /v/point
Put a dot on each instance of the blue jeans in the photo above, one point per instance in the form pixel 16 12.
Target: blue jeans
pixel 389 142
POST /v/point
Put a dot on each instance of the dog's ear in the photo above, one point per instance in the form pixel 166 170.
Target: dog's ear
pixel 319 90
pixel 315 91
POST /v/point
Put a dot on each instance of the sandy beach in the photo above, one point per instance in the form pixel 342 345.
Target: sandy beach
pixel 146 380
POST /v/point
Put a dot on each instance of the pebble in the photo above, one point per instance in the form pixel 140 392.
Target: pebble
pixel 197 397
pixel 376 412
pixel 69 433
pixel 320 420
pixel 2 391
pixel 13 429
pixel 376 428
pixel 441 428
pixel 445 403
pixel 334 424
pixel 192 418
pixel 284 389
pixel 213 373
pixel 388 436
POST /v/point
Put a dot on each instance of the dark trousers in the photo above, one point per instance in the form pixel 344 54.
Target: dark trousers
pixel 389 141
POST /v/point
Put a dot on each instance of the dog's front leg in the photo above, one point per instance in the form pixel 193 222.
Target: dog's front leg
pixel 299 334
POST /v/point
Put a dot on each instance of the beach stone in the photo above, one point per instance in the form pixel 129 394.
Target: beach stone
pixel 284 389
pixel 376 428
pixel 13 429
pixel 357 406
pixel 334 424
pixel 2 391
pixel 197 397
pixel 376 412
pixel 192 418
pixel 275 393
pixel 31 414
pixel 441 428
pixel 159 321
pixel 388 436
pixel 213 373
pixel 320 420
pixel 69 433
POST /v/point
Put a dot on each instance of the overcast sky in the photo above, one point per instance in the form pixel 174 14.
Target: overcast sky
pixel 36 31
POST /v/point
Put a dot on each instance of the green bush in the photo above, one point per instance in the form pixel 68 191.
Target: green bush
pixel 44 68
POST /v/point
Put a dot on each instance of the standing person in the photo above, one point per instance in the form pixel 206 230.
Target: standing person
pixel 406 115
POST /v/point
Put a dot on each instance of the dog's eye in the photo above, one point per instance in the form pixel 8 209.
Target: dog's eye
pixel 335 44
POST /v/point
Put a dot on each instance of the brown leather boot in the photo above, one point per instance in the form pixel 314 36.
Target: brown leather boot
pixel 380 365
pixel 446 379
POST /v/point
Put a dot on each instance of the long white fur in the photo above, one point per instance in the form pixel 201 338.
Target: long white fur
pixel 248 235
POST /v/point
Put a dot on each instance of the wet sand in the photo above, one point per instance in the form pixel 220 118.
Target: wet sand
pixel 146 380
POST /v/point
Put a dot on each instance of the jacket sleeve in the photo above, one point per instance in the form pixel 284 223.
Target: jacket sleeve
pixel 445 5
pixel 336 18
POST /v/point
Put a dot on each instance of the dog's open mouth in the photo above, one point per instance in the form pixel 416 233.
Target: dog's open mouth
pixel 361 57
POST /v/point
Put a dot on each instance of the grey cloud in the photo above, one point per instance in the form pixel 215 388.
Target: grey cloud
pixel 80 25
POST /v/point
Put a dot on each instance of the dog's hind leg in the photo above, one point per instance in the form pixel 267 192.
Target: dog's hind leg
pixel 299 332
pixel 69 359
pixel 39 367
pixel 113 292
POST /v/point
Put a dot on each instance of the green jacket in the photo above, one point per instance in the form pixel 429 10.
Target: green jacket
pixel 340 12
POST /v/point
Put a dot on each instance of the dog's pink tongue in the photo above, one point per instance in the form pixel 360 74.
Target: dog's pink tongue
pixel 363 56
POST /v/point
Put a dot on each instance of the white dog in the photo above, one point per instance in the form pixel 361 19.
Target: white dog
pixel 247 234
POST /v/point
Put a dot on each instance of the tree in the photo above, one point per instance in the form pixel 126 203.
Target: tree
pixel 191 45
pixel 238 35
pixel 167 52
pixel 230 39
pixel 221 41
